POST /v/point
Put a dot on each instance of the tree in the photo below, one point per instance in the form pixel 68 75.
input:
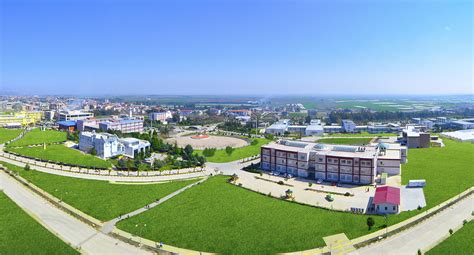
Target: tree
pixel 229 150
pixel 254 142
pixel 27 167
pixel 307 119
pixel 188 150
pixel 370 222
pixel 93 151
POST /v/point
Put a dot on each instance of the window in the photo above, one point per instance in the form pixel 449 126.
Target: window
pixel 329 160
pixel 385 208
pixel 320 159
pixel 394 208
pixel 343 161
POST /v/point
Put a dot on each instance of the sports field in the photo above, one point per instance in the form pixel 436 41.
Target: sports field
pixel 37 136
pixel 99 199
pixel 8 134
pixel 61 153
pixel 21 234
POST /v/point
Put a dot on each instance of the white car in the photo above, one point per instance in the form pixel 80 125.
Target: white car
pixel 319 181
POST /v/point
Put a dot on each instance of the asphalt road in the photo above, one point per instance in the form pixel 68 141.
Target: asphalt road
pixel 426 234
pixel 69 229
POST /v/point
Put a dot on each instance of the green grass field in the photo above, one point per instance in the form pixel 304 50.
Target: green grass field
pixel 448 171
pixel 8 134
pixel 346 140
pixel 239 153
pixel 212 216
pixel 362 134
pixel 36 136
pixel 99 199
pixel 61 153
pixel 21 234
pixel 460 243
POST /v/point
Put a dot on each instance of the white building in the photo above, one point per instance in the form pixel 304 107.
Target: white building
pixel 349 126
pixel 160 116
pixel 123 125
pixel 108 145
pixel 314 130
pixel 74 115
pixel 466 135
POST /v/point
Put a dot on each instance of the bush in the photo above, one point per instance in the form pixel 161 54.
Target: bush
pixel 347 194
pixel 451 231
pixel 310 184
pixel 229 150
pixel 209 152
pixel 254 142
pixel 27 167
pixel 281 182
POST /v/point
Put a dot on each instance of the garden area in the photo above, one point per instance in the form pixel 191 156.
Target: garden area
pixel 231 154
pixel 99 199
pixel 265 225
pixel 21 234
pixel 8 134
pixel 38 136
pixel 459 243
pixel 346 140
pixel 61 154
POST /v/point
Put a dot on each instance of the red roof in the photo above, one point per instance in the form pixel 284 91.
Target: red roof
pixel 387 195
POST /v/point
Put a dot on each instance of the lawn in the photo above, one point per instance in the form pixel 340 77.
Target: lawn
pixel 460 243
pixel 8 134
pixel 448 171
pixel 218 217
pixel 239 153
pixel 61 153
pixel 345 140
pixel 21 234
pixel 99 199
pixel 37 136
pixel 362 134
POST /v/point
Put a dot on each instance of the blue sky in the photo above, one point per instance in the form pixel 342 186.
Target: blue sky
pixel 236 47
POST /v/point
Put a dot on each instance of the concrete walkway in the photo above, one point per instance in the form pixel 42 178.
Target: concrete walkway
pixel 426 234
pixel 78 234
pixel 157 178
pixel 109 226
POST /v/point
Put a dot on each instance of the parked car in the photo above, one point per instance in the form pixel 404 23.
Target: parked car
pixel 319 181
pixel 339 184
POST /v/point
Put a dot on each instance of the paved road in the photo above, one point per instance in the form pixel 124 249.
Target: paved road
pixel 109 226
pixel 71 230
pixel 426 234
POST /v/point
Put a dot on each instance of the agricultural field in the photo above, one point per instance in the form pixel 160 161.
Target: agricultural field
pixel 61 153
pixel 384 105
pixel 460 243
pixel 222 213
pixel 37 136
pixel 21 234
pixel 221 156
pixel 8 134
pixel 346 140
pixel 99 199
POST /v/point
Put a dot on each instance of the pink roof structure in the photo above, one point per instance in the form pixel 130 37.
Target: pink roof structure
pixel 387 195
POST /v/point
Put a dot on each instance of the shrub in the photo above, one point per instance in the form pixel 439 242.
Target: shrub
pixel 347 194
pixel 27 167
pixel 254 142
pixel 229 150
pixel 370 222
pixel 451 231
pixel 310 184
pixel 280 182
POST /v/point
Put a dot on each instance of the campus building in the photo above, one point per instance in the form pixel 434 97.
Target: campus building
pixel 415 137
pixel 108 145
pixel 22 118
pixel 335 163
pixel 123 125
pixel 160 116
pixel 74 115
pixel 386 200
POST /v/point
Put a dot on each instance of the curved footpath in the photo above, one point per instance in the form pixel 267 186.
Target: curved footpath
pixel 103 175
pixel 78 234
